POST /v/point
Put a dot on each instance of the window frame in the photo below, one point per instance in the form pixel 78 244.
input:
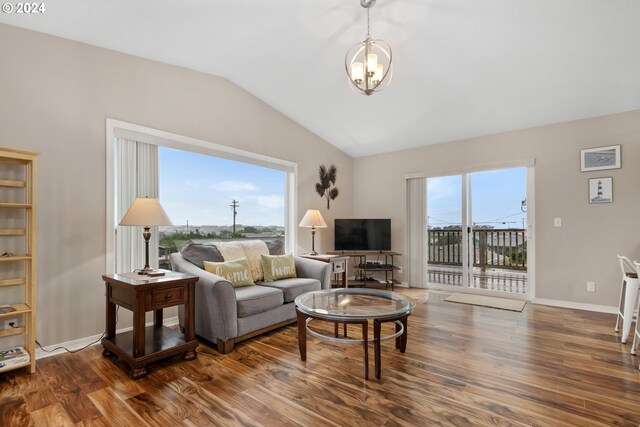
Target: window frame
pixel 117 128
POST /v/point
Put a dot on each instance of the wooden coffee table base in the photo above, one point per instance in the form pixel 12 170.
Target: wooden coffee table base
pixel 401 339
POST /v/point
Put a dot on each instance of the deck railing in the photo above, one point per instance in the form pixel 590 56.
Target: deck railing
pixel 494 248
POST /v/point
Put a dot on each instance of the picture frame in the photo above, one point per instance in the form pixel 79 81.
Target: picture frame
pixel 601 190
pixel 600 158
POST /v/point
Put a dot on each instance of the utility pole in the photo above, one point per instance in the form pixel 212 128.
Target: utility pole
pixel 234 204
pixel 187 226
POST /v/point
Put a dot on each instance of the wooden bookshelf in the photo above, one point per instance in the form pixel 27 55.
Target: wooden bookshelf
pixel 17 196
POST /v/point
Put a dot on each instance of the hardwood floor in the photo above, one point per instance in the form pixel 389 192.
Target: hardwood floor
pixel 464 365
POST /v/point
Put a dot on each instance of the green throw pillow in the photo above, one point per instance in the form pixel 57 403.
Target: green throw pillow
pixel 276 267
pixel 236 271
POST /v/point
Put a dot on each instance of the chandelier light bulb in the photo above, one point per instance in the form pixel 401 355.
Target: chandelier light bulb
pixel 377 76
pixel 357 72
pixel 372 63
pixel 368 63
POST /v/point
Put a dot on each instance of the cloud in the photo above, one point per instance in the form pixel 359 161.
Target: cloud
pixel 234 186
pixel 270 201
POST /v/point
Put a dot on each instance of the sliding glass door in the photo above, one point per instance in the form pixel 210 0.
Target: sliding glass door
pixel 498 230
pixel 445 222
pixel 477 231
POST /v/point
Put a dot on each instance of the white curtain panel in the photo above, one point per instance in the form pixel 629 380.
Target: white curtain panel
pixel 416 232
pixel 137 176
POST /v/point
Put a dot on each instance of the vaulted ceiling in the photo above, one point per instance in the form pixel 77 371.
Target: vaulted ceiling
pixel 462 68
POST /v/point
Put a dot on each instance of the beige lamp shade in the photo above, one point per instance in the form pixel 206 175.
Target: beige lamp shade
pixel 145 211
pixel 313 219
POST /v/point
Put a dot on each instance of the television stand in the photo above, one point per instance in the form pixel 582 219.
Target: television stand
pixel 365 270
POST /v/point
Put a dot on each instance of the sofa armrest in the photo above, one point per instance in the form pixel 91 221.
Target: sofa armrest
pixel 313 269
pixel 216 305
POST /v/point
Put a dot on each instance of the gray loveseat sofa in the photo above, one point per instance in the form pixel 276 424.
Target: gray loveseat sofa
pixel 226 315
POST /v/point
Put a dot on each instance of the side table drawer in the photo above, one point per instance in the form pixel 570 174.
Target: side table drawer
pixel 338 266
pixel 167 297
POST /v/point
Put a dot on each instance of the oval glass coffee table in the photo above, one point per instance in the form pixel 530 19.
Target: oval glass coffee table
pixel 354 306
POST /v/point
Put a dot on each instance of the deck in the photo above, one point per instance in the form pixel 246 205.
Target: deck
pixel 498 279
pixel 499 258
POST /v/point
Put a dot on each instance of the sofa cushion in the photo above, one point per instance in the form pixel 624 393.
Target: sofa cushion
pixel 277 267
pixel 291 288
pixel 236 271
pixel 257 299
pixel 197 254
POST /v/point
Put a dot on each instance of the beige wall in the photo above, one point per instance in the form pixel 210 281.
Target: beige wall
pixel 54 98
pixel 585 247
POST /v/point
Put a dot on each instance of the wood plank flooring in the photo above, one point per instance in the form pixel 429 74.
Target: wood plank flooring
pixel 464 365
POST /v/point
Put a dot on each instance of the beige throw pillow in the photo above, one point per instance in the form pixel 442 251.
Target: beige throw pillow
pixel 236 271
pixel 276 267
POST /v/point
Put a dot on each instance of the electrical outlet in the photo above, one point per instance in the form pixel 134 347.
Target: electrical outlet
pixel 557 222
pixel 400 269
pixel 8 321
pixel 591 286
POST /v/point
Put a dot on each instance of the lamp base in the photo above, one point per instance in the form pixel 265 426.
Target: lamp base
pixel 314 253
pixel 151 272
pixel 145 271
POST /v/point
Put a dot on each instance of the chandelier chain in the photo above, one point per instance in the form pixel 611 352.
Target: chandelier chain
pixel 368 24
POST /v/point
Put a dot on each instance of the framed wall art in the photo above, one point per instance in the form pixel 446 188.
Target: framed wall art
pixel 600 158
pixel 601 190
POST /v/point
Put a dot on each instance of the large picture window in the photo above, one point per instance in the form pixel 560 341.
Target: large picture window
pixel 212 199
pixel 209 191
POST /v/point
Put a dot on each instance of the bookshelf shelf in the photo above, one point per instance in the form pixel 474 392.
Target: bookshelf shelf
pixel 11 258
pixel 12 231
pixel 9 332
pixel 8 183
pixel 21 365
pixel 19 309
pixel 16 205
pixel 12 282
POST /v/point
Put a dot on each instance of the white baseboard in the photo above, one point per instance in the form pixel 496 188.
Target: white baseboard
pixel 82 342
pixel 577 305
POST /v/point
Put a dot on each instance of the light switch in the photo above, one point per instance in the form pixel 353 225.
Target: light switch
pixel 557 222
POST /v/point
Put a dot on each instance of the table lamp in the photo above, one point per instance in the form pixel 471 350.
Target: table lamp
pixel 146 212
pixel 312 219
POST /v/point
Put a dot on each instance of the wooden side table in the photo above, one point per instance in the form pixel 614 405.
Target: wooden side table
pixel 140 294
pixel 339 265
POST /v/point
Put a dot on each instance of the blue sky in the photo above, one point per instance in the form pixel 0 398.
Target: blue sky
pixel 200 188
pixel 496 197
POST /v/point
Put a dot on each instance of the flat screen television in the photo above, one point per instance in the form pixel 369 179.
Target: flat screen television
pixel 362 234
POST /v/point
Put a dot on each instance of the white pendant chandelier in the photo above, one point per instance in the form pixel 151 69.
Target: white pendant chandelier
pixel 368 63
